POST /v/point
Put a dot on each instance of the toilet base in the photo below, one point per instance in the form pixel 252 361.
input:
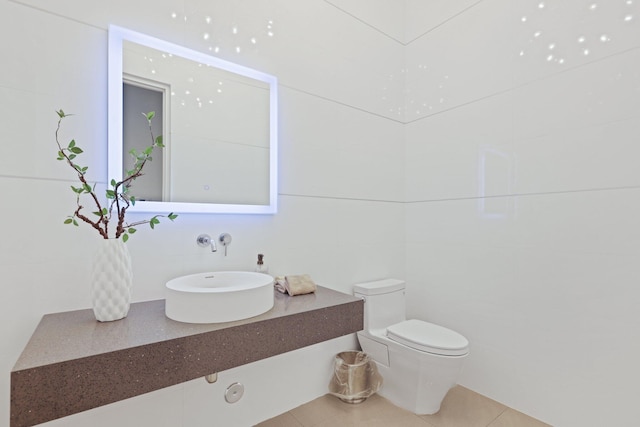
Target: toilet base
pixel 418 381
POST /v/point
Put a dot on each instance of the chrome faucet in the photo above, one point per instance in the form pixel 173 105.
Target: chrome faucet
pixel 205 240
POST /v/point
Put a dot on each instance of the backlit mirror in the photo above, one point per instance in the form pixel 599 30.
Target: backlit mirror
pixel 218 121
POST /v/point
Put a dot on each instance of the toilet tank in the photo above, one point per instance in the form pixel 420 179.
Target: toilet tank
pixel 384 303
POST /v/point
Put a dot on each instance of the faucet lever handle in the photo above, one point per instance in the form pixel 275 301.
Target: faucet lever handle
pixel 225 240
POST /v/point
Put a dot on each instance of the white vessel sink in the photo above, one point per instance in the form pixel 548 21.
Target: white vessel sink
pixel 220 296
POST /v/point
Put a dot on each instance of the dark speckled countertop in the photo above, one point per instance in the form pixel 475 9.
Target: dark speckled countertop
pixel 74 363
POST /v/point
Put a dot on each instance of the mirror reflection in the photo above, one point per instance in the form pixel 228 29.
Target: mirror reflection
pixel 218 122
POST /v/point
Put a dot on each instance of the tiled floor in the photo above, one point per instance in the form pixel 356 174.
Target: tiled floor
pixel 460 408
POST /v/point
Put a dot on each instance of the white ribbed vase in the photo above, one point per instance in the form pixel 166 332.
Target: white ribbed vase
pixel 111 280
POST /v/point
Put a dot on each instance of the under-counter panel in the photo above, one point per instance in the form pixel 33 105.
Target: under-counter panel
pixel 73 363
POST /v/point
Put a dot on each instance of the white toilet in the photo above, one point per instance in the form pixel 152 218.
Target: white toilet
pixel 419 361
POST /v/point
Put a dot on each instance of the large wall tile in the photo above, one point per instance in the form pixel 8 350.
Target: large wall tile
pixel 263 386
pixel 551 37
pixel 460 61
pixel 578 159
pixel 595 94
pixel 447 153
pixel 329 149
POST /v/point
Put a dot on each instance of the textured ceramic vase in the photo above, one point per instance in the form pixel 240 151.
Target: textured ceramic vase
pixel 111 280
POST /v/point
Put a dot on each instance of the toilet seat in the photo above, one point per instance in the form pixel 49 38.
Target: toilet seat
pixel 428 337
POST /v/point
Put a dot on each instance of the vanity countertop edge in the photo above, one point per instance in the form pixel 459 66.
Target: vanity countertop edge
pixel 73 363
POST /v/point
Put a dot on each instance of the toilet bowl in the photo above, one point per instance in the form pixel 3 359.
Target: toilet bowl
pixel 419 361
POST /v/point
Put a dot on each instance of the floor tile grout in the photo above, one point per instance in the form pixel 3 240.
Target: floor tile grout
pixel 506 408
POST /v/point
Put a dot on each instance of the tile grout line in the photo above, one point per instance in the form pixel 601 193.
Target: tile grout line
pixel 506 408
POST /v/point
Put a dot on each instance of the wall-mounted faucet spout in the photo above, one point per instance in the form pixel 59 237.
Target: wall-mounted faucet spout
pixel 205 240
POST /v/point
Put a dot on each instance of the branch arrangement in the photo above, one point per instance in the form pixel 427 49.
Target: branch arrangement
pixel 119 198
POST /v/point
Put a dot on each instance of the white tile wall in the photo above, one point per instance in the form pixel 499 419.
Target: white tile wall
pixel 523 189
pixel 344 159
pixel 335 206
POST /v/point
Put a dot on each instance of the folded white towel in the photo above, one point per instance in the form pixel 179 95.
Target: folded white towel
pixel 280 284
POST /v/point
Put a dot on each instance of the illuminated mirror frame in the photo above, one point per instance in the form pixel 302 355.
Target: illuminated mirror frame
pixel 115 171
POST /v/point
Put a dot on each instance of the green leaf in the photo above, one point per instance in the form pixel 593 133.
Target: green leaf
pixel 125 237
pixel 68 221
pixel 75 150
pixel 72 156
pixel 153 221
pixel 87 188
pixel 72 143
pixel 75 222
pixel 113 183
pixel 97 213
pixel 159 141
pixel 172 216
pixel 150 115
pixel 132 199
pixel 111 194
pixel 104 211
pixel 148 150
pixel 60 113
pixel 131 230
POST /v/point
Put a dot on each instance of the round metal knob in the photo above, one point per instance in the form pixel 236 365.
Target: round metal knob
pixel 204 240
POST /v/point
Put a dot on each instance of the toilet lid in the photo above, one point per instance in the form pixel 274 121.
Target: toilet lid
pixel 428 337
